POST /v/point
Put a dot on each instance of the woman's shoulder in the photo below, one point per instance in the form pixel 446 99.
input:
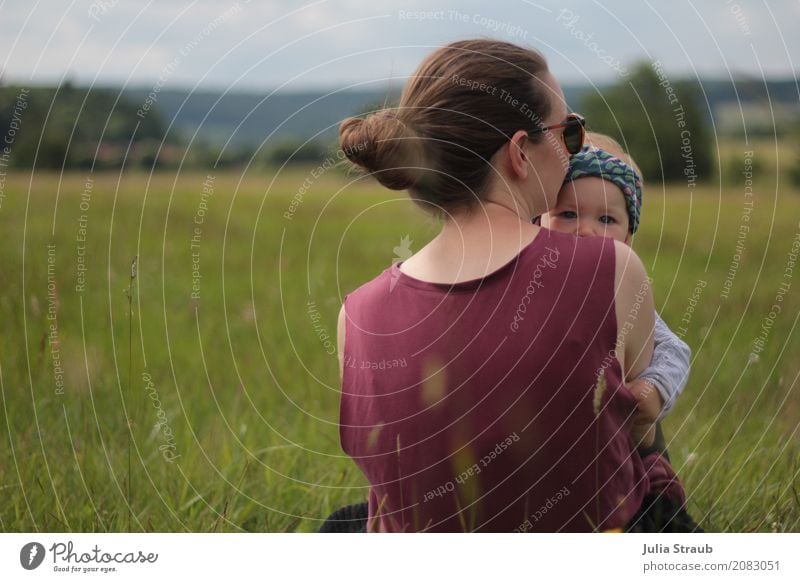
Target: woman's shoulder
pixel 577 252
pixel 376 287
pixel 554 237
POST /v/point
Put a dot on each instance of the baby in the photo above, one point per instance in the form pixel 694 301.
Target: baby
pixel 602 196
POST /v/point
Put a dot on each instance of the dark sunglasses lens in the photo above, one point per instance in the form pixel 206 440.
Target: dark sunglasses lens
pixel 573 136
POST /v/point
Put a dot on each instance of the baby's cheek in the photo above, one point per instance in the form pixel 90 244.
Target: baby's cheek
pixel 620 234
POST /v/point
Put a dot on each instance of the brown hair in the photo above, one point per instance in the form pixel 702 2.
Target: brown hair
pixel 463 103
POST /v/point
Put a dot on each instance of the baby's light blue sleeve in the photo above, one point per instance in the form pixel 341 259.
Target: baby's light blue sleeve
pixel 669 367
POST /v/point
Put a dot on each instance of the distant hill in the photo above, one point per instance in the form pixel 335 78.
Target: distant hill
pixel 247 119
pixel 73 126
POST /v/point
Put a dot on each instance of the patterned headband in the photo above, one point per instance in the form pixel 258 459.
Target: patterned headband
pixel 591 161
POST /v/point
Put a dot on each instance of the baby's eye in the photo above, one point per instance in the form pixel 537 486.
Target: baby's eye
pixel 606 219
pixel 567 214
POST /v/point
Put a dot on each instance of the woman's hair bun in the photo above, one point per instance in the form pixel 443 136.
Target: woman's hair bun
pixel 382 144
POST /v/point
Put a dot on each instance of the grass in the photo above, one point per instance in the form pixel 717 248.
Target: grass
pixel 234 396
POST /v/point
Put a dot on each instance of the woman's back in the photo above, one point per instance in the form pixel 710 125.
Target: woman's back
pixel 473 406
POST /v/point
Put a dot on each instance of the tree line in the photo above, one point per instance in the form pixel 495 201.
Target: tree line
pixel 664 124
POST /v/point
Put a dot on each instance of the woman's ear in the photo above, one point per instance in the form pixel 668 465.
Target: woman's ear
pixel 518 162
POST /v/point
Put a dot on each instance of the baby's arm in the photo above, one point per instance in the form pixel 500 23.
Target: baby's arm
pixel 657 388
pixel 668 371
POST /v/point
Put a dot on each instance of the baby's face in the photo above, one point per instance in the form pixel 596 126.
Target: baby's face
pixel 590 206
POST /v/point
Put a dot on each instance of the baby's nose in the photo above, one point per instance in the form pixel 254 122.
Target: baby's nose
pixel 586 228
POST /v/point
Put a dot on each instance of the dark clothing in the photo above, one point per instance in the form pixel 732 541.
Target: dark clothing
pixel 348 519
pixel 658 514
pixel 659 445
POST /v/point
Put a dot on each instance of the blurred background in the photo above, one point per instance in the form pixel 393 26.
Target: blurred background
pixel 180 229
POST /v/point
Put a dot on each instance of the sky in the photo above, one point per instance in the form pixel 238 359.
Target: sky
pixel 299 45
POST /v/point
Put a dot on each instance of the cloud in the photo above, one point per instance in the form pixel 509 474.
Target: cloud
pixel 330 43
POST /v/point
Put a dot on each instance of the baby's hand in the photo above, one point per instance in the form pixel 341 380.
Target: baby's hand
pixel 648 400
pixel 649 405
pixel 643 435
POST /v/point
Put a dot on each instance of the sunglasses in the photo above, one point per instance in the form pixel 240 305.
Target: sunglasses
pixel 574 132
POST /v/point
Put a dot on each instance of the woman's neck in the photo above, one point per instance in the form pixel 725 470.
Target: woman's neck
pixel 472 244
pixel 515 204
pixel 484 217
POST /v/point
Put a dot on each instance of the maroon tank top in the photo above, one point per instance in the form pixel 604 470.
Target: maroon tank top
pixel 475 406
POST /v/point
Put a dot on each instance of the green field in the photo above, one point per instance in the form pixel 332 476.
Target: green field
pixel 232 394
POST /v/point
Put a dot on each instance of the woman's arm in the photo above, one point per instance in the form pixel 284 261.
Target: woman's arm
pixel 635 313
pixel 635 310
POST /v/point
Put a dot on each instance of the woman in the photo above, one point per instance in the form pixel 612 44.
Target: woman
pixel 483 377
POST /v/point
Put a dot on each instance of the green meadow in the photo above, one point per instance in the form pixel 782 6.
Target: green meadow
pixel 197 391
